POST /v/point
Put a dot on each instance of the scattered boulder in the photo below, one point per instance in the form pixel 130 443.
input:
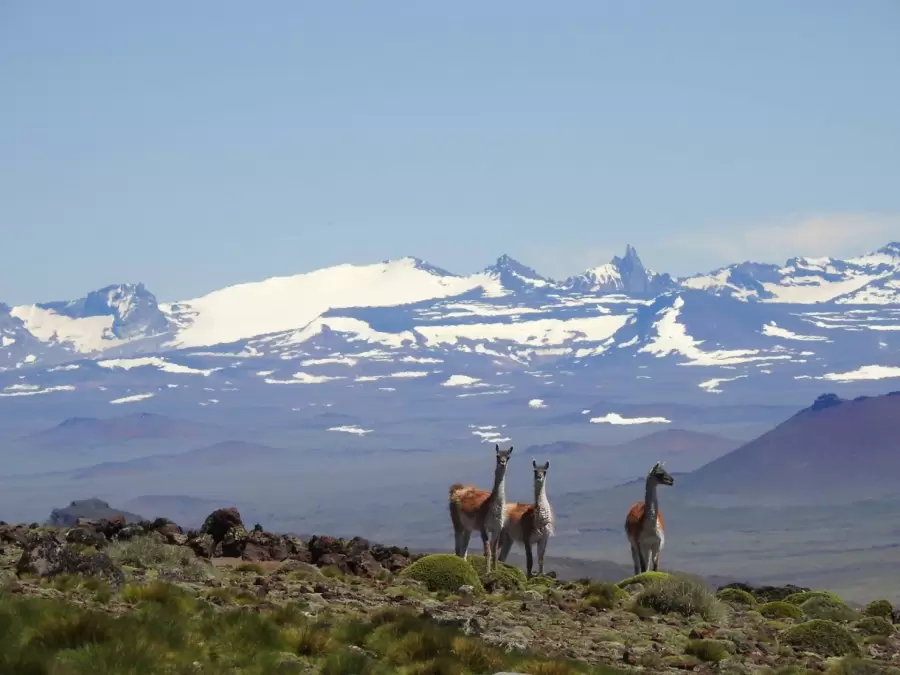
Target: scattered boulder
pixel 221 522
pixel 86 536
pixel 260 545
pixel 46 556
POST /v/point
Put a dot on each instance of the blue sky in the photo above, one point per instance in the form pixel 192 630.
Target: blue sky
pixel 195 145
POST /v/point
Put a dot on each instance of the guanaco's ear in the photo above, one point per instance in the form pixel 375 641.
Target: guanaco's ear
pixel 510 450
pixel 534 463
pixel 546 465
pixel 497 448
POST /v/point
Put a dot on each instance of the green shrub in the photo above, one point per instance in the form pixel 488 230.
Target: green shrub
pixel 148 552
pixel 879 608
pixel 874 625
pixel 799 598
pixel 824 607
pixel 674 594
pixel 707 650
pixel 736 596
pixel 602 595
pixel 779 610
pixel 443 572
pixel 161 628
pixel 822 637
pixel 643 578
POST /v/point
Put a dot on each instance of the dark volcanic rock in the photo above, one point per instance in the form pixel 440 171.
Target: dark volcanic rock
pixel 768 593
pixel 357 556
pixel 220 522
pixel 45 555
pixel 262 545
pixel 86 536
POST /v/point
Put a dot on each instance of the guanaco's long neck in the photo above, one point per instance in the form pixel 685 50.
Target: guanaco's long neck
pixel 498 494
pixel 541 503
pixel 651 502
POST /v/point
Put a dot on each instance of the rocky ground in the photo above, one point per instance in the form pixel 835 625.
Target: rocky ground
pixel 104 596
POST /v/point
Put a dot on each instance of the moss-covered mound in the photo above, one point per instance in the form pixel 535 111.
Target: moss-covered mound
pixel 823 637
pixel 643 578
pixel 879 608
pixel 443 572
pixel 825 607
pixel 799 598
pixel 736 596
pixel 779 610
pixel 505 578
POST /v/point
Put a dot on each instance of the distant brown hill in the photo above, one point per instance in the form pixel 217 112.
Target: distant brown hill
pixel 81 432
pixel 94 509
pixel 224 453
pixel 835 451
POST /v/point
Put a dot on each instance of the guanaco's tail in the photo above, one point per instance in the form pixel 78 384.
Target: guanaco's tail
pixel 454 489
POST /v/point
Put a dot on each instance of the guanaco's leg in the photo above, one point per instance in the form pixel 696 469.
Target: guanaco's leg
pixel 495 542
pixel 506 543
pixel 636 558
pixel 542 547
pixel 529 561
pixel 464 543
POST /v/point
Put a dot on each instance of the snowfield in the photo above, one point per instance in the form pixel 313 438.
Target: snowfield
pixel 476 337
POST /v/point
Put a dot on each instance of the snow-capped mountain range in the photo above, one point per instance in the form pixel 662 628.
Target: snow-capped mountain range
pixel 405 320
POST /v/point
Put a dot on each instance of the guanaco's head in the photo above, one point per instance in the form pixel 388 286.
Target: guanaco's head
pixel 540 472
pixel 659 474
pixel 502 457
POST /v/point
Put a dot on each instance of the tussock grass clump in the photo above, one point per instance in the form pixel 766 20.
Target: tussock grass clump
pixel 161 593
pixel 736 596
pixel 150 553
pixel 779 610
pixel 707 650
pixel 854 666
pixel 879 608
pixel 602 595
pixel 823 637
pixel 443 572
pixel 250 568
pixel 681 595
pixel 874 625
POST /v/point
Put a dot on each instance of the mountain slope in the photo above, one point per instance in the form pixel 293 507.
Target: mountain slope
pixel 868 279
pixel 683 449
pixel 835 450
pixel 283 303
